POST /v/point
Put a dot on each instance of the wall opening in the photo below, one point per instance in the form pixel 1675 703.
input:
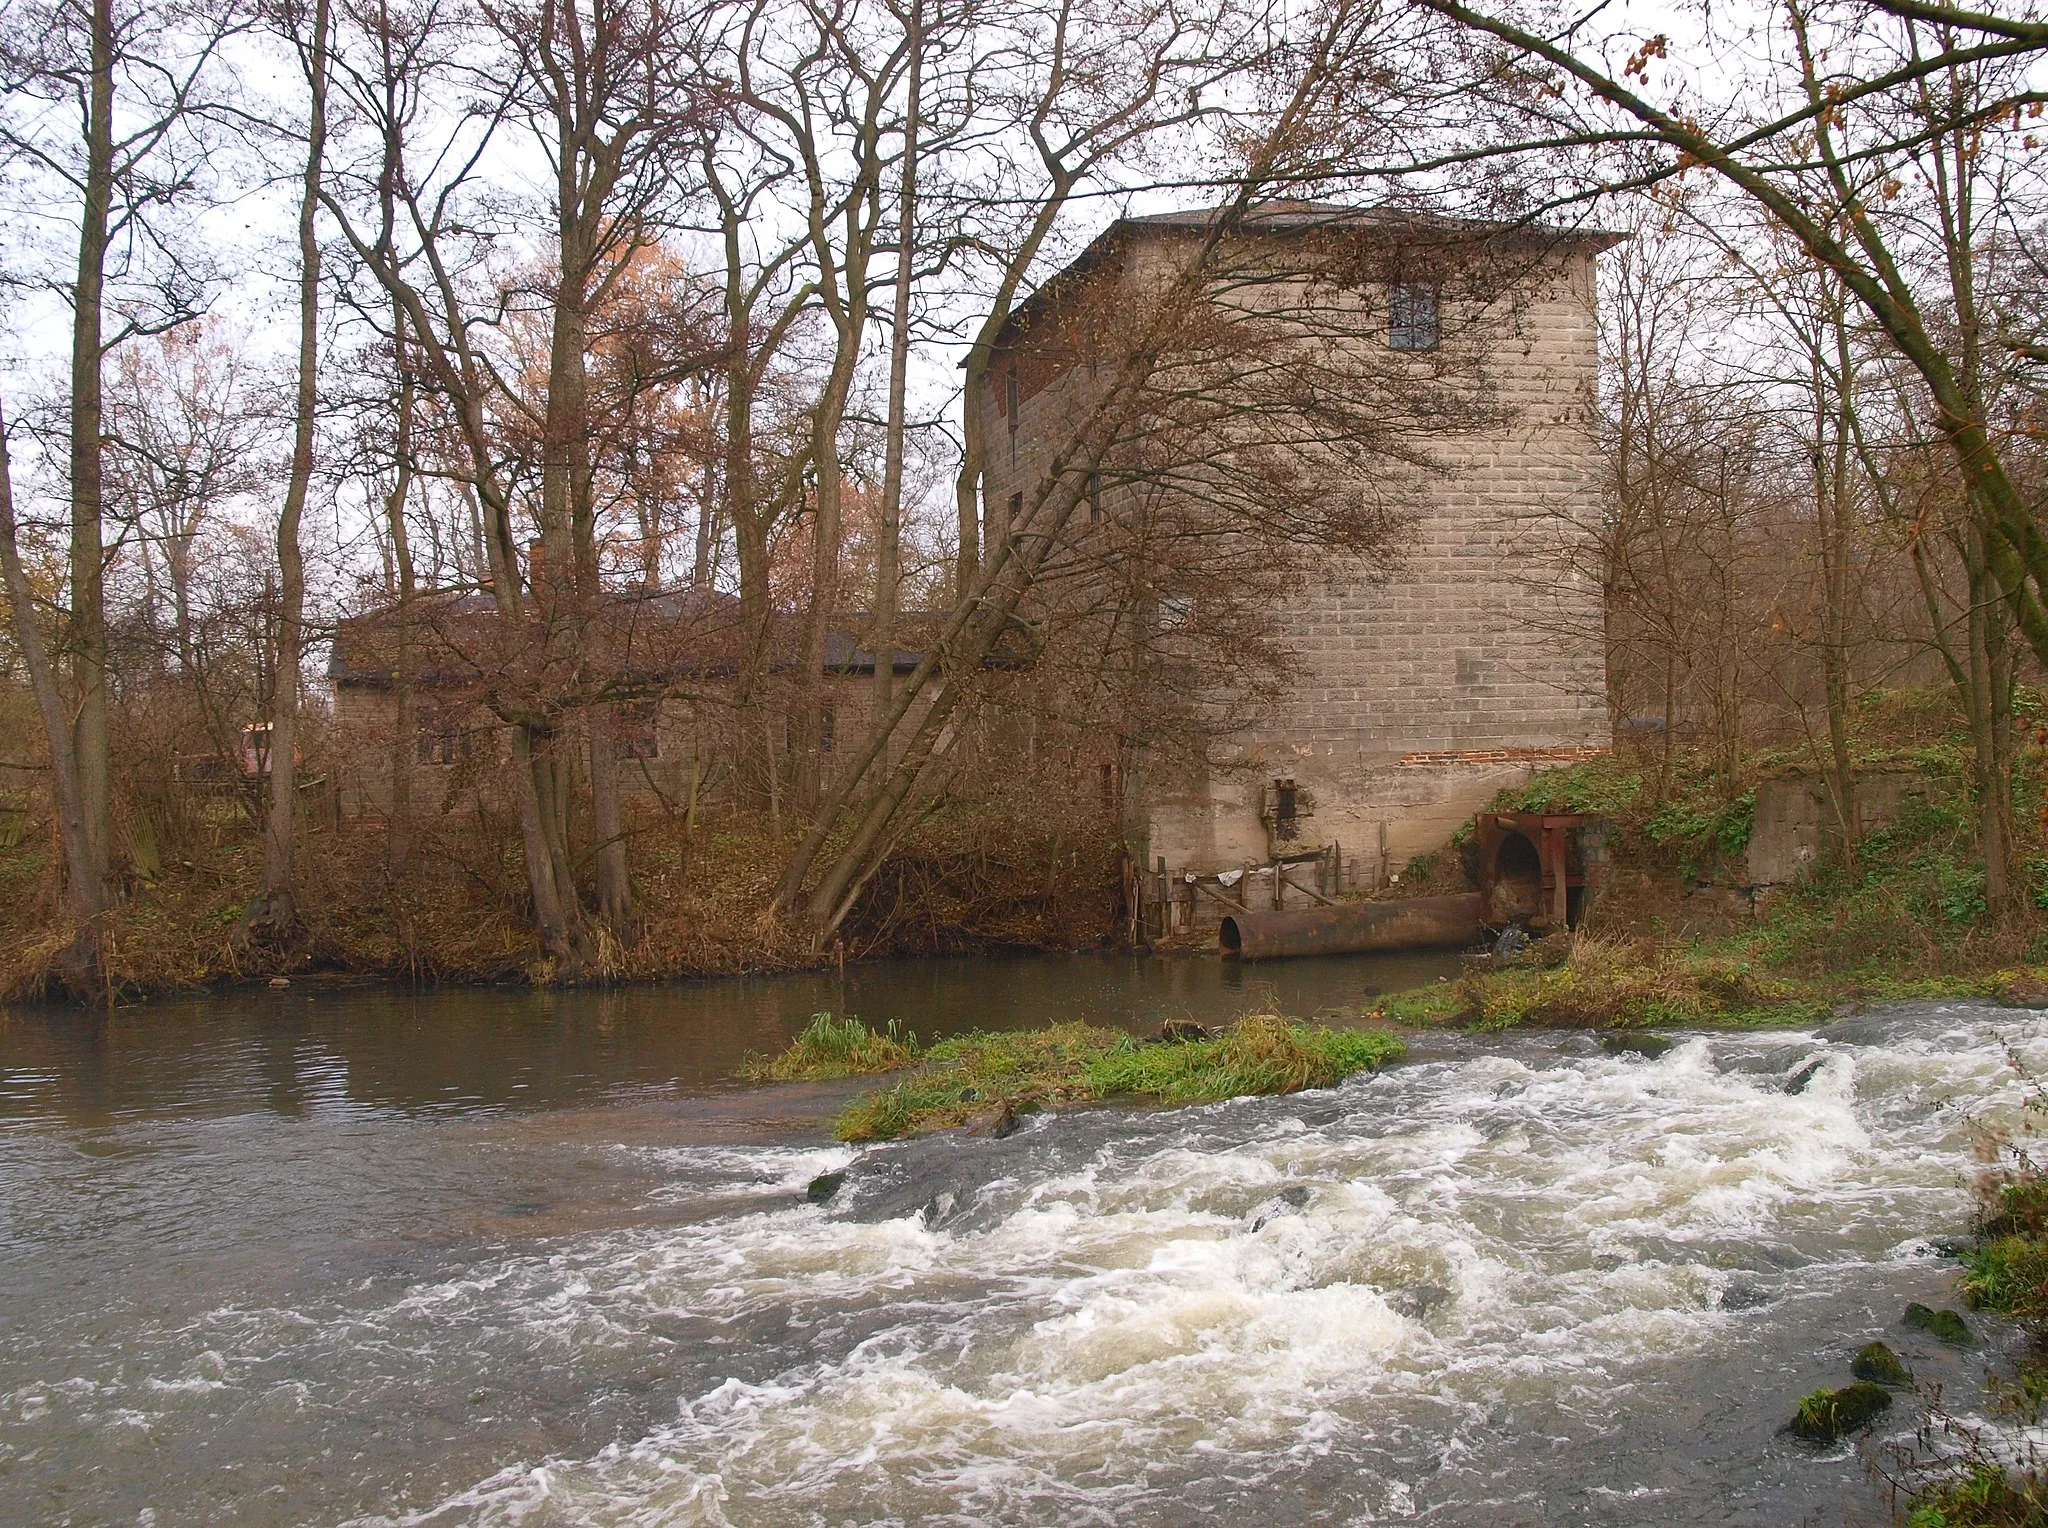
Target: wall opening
pixel 1517 881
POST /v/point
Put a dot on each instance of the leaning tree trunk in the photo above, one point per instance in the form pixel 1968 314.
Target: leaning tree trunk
pixel 889 541
pixel 83 884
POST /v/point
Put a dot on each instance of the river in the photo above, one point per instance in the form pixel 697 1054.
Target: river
pixel 379 1257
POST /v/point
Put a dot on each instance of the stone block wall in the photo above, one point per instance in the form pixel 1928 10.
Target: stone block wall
pixel 1420 690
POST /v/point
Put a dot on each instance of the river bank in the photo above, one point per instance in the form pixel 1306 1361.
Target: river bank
pixel 452 910
pixel 1678 938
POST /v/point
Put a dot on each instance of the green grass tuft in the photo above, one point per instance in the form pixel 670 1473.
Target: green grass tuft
pixel 2008 1274
pixel 979 1074
pixel 830 1047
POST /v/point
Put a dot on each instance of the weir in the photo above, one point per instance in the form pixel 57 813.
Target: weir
pixel 1519 1279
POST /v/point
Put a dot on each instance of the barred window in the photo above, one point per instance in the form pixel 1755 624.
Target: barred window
pixel 1011 400
pixel 1412 321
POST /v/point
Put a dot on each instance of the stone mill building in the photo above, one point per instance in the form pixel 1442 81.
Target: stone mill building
pixel 1414 691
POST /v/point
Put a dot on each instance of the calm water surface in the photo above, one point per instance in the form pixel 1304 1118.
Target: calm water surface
pixel 379 1257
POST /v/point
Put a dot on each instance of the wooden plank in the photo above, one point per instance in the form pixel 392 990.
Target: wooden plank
pixel 1281 871
pixel 1233 906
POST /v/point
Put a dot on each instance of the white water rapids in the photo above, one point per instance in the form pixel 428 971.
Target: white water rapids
pixel 1514 1280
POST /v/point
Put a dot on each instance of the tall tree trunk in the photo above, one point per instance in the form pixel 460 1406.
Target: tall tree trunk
pixel 750 519
pixel 460 378
pixel 889 539
pixel 569 516
pixel 86 640
pixel 1835 506
pixel 1989 700
pixel 84 886
pixel 826 535
pixel 274 912
pixel 398 828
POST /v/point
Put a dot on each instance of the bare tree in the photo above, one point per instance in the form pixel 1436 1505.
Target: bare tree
pixel 124 149
pixel 1845 95
pixel 273 913
pixel 390 73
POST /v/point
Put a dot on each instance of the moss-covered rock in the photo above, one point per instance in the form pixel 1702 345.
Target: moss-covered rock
pixel 824 1186
pixel 1880 1365
pixel 1635 1043
pixel 1827 1415
pixel 1945 1324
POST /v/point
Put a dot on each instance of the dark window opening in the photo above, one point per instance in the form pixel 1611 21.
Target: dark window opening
pixel 438 739
pixel 1109 788
pixel 1517 881
pixel 828 726
pixel 1286 810
pixel 635 730
pixel 1412 316
pixel 1094 498
pixel 1013 512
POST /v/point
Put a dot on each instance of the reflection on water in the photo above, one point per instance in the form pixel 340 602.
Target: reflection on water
pixel 303 1049
pixel 495 1258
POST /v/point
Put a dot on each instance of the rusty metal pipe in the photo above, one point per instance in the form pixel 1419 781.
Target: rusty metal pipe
pixel 1414 923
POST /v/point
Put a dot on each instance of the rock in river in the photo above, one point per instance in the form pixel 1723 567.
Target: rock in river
pixel 1625 1043
pixel 1945 1324
pixel 824 1186
pixel 1880 1365
pixel 995 1123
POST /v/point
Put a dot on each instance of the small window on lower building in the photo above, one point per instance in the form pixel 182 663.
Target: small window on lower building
pixel 636 730
pixel 1412 316
pixel 1094 498
pixel 437 737
pixel 828 729
pixel 1175 610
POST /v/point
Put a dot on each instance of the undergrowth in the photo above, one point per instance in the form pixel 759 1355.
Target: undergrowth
pixel 454 906
pixel 1598 981
pixel 1017 1071
pixel 1671 944
pixel 1968 1480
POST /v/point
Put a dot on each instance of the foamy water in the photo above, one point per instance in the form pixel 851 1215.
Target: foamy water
pixel 1516 1281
